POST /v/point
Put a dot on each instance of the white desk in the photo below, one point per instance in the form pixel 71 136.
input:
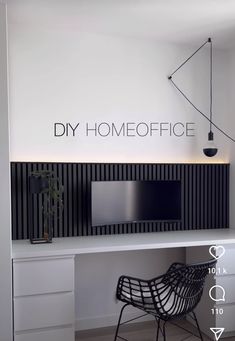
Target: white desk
pixel 44 275
pixel 124 242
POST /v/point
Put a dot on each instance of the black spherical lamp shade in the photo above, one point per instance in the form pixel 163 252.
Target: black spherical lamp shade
pixel 210 150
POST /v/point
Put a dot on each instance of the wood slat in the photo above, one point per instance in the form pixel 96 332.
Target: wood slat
pixel 205 196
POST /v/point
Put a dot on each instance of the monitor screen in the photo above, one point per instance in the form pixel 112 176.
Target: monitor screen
pixel 116 202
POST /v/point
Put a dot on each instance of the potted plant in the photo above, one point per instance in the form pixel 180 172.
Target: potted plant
pixel 44 183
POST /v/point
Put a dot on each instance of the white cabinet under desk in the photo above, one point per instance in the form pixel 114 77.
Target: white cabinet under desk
pixel 43 275
pixel 43 293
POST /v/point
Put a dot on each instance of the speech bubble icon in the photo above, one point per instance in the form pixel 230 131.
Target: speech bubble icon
pixel 218 295
pixel 217 251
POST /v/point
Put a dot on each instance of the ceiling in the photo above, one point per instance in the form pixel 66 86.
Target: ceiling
pixel 177 21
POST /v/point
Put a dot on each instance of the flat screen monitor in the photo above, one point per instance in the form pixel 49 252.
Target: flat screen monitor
pixel 117 202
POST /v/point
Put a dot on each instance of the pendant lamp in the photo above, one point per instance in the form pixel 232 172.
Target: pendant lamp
pixel 210 149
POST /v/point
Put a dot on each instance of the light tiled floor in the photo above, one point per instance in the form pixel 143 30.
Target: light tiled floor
pixel 141 332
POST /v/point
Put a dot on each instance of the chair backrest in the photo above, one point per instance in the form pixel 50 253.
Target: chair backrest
pixel 180 289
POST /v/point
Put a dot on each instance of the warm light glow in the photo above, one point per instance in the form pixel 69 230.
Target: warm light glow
pixel 121 159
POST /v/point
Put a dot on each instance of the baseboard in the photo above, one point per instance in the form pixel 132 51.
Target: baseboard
pixel 107 321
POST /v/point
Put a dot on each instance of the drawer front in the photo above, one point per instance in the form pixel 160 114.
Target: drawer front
pixel 201 253
pixel 35 312
pixel 43 275
pixel 227 282
pixel 227 260
pixel 65 334
pixel 227 319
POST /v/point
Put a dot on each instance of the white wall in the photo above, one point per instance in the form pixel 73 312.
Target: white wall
pixel 5 223
pixel 58 74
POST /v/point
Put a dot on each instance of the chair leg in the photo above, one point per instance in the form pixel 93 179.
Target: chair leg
pixel 199 330
pixel 164 331
pixel 158 321
pixel 119 321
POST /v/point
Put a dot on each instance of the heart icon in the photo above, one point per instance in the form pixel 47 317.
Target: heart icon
pixel 217 251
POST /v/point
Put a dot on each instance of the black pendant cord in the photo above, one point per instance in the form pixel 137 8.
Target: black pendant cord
pixel 204 115
pixel 189 58
pixel 190 102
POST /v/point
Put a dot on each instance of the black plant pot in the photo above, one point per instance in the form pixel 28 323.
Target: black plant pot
pixel 39 206
pixel 38 184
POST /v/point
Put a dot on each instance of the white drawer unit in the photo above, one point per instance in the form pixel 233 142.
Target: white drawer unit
pixel 210 313
pixel 227 319
pixel 44 299
pixel 227 283
pixel 43 275
pixel 227 261
pixel 43 311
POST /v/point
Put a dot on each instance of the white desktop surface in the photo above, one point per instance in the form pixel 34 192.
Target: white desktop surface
pixel 122 242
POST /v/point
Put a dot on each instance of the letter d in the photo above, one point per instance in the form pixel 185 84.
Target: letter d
pixel 59 129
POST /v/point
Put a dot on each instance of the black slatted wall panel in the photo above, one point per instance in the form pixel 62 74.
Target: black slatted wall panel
pixel 205 196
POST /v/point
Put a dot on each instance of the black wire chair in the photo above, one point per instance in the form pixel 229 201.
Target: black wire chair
pixel 170 296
